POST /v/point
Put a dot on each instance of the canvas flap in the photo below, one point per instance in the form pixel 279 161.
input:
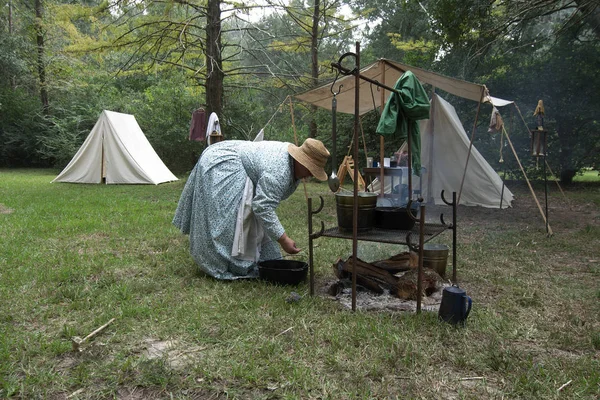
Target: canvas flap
pixel 84 167
pixel 388 72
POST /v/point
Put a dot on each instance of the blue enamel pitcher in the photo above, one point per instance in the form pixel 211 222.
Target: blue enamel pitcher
pixel 455 306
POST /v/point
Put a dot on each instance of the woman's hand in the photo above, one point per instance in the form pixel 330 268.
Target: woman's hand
pixel 288 245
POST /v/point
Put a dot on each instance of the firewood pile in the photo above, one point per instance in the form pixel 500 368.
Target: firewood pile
pixel 397 275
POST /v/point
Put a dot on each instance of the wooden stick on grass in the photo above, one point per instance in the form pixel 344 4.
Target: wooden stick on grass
pixel 472 378
pixel 285 331
pixel 565 385
pixel 77 341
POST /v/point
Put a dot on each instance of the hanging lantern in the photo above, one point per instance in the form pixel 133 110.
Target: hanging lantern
pixel 539 142
pixel 216 137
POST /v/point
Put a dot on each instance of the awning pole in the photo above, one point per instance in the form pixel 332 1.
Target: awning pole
pixel 470 145
pixel 381 140
pixel 355 154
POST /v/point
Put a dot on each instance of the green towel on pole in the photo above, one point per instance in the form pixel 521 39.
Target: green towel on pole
pixel 406 107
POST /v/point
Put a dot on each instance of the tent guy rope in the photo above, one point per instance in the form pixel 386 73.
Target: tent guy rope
pixel 528 183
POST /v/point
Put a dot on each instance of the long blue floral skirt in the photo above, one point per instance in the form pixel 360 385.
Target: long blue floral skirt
pixel 207 211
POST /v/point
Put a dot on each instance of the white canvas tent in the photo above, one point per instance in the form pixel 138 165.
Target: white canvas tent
pixel 445 146
pixel 444 149
pixel 116 152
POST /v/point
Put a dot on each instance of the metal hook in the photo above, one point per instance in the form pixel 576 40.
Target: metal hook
pixel 314 235
pixel 322 203
pixel 320 233
pixel 337 75
pixel 376 83
pixel 409 211
pixel 343 70
pixel 444 199
pixel 450 203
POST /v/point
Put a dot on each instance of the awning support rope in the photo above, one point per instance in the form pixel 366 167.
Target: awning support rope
pixel 280 109
pixel 296 141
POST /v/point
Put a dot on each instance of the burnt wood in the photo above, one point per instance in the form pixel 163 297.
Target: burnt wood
pixel 381 275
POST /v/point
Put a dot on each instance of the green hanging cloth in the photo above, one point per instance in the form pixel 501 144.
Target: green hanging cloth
pixel 406 106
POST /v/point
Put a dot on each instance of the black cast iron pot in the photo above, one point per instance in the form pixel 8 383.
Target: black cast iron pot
pixel 283 272
pixel 396 218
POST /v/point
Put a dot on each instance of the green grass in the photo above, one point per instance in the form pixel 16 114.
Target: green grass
pixel 587 175
pixel 74 256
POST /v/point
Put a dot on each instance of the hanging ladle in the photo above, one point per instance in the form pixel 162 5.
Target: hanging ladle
pixel 333 180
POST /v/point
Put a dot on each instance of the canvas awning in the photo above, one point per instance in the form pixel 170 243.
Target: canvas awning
pixel 387 72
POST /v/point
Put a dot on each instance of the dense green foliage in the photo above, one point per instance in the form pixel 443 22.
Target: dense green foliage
pixel 150 59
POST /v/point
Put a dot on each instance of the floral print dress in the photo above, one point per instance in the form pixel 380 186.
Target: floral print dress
pixel 210 200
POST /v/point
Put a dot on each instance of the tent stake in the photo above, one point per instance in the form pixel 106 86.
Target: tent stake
pixel 555 180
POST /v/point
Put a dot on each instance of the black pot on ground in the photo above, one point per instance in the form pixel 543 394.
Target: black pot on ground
pixel 283 272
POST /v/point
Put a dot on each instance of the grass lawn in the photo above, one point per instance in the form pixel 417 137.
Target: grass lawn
pixel 74 256
pixel 588 176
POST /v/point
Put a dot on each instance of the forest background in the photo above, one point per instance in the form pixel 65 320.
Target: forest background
pixel 62 62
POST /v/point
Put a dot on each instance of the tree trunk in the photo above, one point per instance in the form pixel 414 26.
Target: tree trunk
pixel 567 175
pixel 39 32
pixel 567 166
pixel 314 52
pixel 10 24
pixel 13 79
pixel 214 61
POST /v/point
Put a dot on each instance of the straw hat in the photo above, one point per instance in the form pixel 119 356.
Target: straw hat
pixel 313 155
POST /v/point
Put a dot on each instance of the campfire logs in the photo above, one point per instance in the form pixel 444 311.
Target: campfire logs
pixel 397 274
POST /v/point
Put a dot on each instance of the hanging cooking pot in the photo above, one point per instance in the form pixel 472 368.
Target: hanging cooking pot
pixel 455 306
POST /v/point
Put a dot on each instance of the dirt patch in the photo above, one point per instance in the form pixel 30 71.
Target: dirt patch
pixel 5 210
pixel 66 363
pixel 176 354
pixel 140 393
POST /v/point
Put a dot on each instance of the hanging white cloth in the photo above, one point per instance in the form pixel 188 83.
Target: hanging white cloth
pixel 249 233
pixel 212 126
pixel 496 122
